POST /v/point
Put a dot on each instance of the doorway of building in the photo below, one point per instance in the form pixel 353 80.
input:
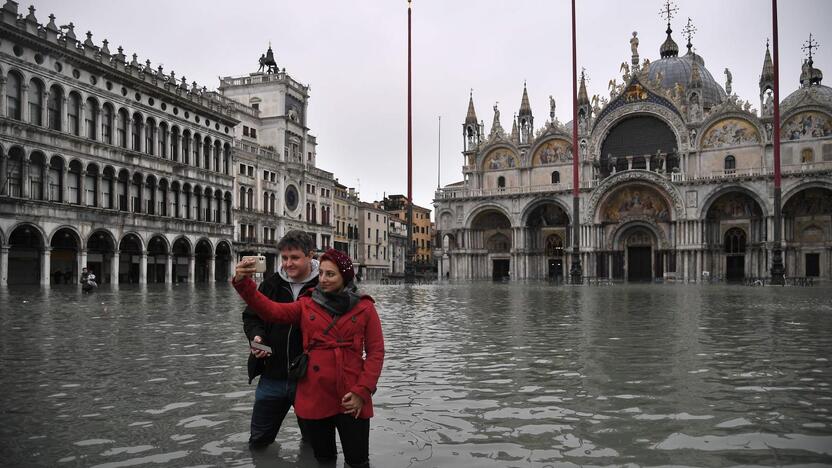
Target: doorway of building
pixel 500 269
pixel 556 269
pixel 812 264
pixel 639 264
pixel 735 244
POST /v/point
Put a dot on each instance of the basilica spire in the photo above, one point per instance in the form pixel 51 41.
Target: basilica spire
pixel 767 75
pixel 525 108
pixel 471 118
pixel 583 98
pixel 669 48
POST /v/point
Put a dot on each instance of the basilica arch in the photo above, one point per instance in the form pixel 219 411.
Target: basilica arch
pixel 807 230
pixel 660 128
pixel 491 238
pixel 735 235
pixel 546 225
pixel 633 225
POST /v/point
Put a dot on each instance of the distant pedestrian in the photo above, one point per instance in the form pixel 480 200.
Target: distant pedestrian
pixel 88 283
pixel 344 350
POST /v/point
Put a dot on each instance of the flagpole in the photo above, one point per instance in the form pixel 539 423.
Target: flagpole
pixel 778 270
pixel 408 270
pixel 575 270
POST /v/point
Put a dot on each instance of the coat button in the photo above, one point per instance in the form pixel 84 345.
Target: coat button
pixel 316 368
pixel 311 316
pixel 353 319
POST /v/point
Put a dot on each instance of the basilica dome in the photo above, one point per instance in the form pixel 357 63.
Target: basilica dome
pixel 675 69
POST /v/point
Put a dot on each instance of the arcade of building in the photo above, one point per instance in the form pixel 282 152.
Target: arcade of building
pixel 676 181
pixel 108 164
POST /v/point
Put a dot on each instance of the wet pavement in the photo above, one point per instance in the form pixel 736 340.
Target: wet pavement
pixel 476 375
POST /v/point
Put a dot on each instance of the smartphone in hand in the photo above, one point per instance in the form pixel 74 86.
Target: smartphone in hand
pixel 259 262
pixel 261 347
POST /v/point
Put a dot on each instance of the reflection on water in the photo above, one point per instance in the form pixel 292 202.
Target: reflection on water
pixel 476 375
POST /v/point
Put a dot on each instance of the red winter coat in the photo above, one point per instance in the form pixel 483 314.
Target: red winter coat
pixel 336 362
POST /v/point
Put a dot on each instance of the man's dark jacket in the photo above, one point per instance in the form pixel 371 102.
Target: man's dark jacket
pixel 285 340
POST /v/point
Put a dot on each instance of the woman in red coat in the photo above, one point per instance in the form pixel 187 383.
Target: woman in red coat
pixel 339 327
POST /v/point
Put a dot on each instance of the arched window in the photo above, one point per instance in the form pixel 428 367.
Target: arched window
pixel 242 198
pixel 149 137
pixel 730 163
pixel 163 139
pixel 265 202
pixel 35 102
pixel 555 177
pixel 250 202
pixel 501 182
pixel 735 241
pixel 13 93
pixel 121 128
pixel 136 133
pixel 107 124
pixel 807 156
pixel 272 199
pixel 74 114
pixel 186 147
pixel 91 119
pixel 174 143
pixel 54 103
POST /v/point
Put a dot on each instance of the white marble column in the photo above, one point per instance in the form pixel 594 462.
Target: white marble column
pixel 45 264
pixel 212 269
pixel 4 265
pixel 24 102
pixel 168 269
pixel 82 263
pixel 143 268
pixel 114 268
pixel 191 268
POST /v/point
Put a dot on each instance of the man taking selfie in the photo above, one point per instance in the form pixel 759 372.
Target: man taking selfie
pixel 275 392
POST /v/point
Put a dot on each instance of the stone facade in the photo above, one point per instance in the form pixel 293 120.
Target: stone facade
pixel 676 182
pixel 373 249
pixel 277 190
pixel 346 233
pixel 107 162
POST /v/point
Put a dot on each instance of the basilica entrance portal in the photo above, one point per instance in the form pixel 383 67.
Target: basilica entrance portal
pixel 639 244
pixel 639 264
pixel 500 269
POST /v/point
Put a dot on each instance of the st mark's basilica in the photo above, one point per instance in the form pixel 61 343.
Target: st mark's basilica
pixel 676 180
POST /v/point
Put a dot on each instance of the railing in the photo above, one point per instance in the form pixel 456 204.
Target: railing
pixel 464 192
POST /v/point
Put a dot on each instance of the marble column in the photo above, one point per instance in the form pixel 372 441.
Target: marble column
pixel 62 113
pixel 168 269
pixel 114 268
pixel 45 265
pixel 25 185
pixel 212 269
pixel 24 102
pixel 191 268
pixel 4 265
pixel 143 268
pixel 82 263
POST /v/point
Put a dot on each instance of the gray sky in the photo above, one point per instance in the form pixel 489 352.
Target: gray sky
pixel 353 54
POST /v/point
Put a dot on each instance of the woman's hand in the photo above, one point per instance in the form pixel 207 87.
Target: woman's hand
pixel 243 269
pixel 352 403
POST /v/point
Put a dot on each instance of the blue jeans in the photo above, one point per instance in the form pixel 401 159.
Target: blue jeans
pixel 272 401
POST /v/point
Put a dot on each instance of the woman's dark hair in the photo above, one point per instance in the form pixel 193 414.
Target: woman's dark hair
pixel 296 239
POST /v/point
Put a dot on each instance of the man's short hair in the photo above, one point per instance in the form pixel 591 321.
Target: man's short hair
pixel 296 239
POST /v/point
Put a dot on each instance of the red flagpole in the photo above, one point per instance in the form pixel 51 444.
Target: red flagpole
pixel 778 270
pixel 575 270
pixel 409 257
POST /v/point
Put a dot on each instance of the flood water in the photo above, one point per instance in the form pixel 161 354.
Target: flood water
pixel 476 375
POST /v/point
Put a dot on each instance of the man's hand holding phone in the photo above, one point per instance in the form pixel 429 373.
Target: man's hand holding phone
pixel 258 349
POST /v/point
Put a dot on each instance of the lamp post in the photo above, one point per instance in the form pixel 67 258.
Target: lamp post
pixel 575 270
pixel 778 271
